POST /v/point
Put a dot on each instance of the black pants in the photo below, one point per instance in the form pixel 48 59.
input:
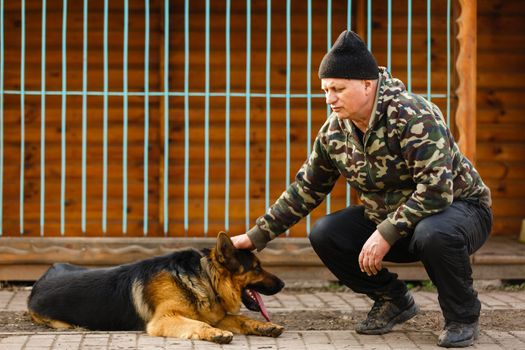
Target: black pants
pixel 442 242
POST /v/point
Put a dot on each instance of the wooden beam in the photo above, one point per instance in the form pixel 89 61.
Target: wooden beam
pixel 466 69
pixel 25 259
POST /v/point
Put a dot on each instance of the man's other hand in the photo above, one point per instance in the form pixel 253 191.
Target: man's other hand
pixel 242 242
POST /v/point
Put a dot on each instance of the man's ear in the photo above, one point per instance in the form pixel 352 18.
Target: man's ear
pixel 226 252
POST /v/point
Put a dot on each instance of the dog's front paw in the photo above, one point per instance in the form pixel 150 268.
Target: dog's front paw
pixel 219 336
pixel 270 329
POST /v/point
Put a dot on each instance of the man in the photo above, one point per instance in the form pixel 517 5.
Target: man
pixel 422 199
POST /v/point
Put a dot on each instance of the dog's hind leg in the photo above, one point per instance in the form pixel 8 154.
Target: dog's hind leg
pixel 173 325
pixel 245 325
pixel 49 322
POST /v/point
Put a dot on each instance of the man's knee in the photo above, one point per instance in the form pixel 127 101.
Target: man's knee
pixel 320 233
pixel 432 239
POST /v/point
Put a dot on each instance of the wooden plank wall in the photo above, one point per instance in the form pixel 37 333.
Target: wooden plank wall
pixel 501 88
pixel 491 102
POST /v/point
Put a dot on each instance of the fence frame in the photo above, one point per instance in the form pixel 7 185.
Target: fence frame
pixel 24 258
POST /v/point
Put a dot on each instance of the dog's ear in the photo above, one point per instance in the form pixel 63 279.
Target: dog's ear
pixel 226 252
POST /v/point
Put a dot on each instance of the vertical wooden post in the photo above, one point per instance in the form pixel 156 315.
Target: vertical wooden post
pixel 466 68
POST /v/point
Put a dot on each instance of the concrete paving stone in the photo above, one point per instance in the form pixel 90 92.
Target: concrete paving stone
pixel 486 346
pixel 506 340
pixel 145 339
pixel 5 298
pixel 342 338
pixel 19 301
pixel 290 340
pixel 399 340
pixel 14 339
pixel 508 299
pixel 67 342
pixel 315 337
pixel 518 296
pixel 123 341
pixel 311 301
pixel 356 301
pixel 489 302
pixel 11 346
pixel 426 300
pixel 68 346
pixel 290 301
pixel 41 340
pixel 333 301
pixel 320 347
pixel 519 334
pixel 423 338
pixel 240 340
pixel 272 302
pixel 205 345
pixel 259 341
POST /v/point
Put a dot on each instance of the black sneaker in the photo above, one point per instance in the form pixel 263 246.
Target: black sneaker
pixel 458 335
pixel 386 313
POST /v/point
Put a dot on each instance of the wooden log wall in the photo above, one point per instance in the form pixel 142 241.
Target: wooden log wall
pixel 500 137
pixel 499 161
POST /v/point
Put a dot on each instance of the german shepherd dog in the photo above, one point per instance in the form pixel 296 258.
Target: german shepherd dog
pixel 190 294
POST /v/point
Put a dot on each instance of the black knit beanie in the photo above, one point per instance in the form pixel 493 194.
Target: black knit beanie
pixel 349 58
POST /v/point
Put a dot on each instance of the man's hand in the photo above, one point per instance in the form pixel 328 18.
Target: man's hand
pixel 242 242
pixel 372 254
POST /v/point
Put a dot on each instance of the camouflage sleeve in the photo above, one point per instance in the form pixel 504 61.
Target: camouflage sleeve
pixel 314 180
pixel 425 144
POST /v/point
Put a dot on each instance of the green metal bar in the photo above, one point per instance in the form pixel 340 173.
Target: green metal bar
pixel 348 27
pixel 448 62
pixel 409 46
pixel 247 137
pixel 309 95
pixel 328 46
pixel 84 112
pixel 227 122
pixel 349 15
pixel 63 123
pixel 389 36
pixel 186 95
pixel 43 120
pixel 369 25
pixel 268 100
pixel 178 94
pixel 166 110
pixel 288 76
pixel 125 121
pixel 146 119
pixel 207 120
pixel 22 111
pixel 429 50
pixel 105 125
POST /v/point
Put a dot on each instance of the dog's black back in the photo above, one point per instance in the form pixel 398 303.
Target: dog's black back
pixel 101 299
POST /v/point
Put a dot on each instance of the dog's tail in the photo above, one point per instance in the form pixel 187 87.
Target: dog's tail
pixel 61 269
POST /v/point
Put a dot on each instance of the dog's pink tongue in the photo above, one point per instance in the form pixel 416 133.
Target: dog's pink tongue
pixel 264 312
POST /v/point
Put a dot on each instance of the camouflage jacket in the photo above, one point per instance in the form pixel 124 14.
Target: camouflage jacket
pixel 406 167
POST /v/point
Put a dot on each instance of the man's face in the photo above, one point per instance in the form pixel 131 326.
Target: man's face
pixel 347 97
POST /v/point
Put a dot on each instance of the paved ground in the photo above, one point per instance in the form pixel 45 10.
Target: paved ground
pixel 292 340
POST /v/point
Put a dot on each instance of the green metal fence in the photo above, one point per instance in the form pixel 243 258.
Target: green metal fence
pixel 309 96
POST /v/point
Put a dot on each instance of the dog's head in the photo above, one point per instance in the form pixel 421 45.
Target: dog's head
pixel 246 272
